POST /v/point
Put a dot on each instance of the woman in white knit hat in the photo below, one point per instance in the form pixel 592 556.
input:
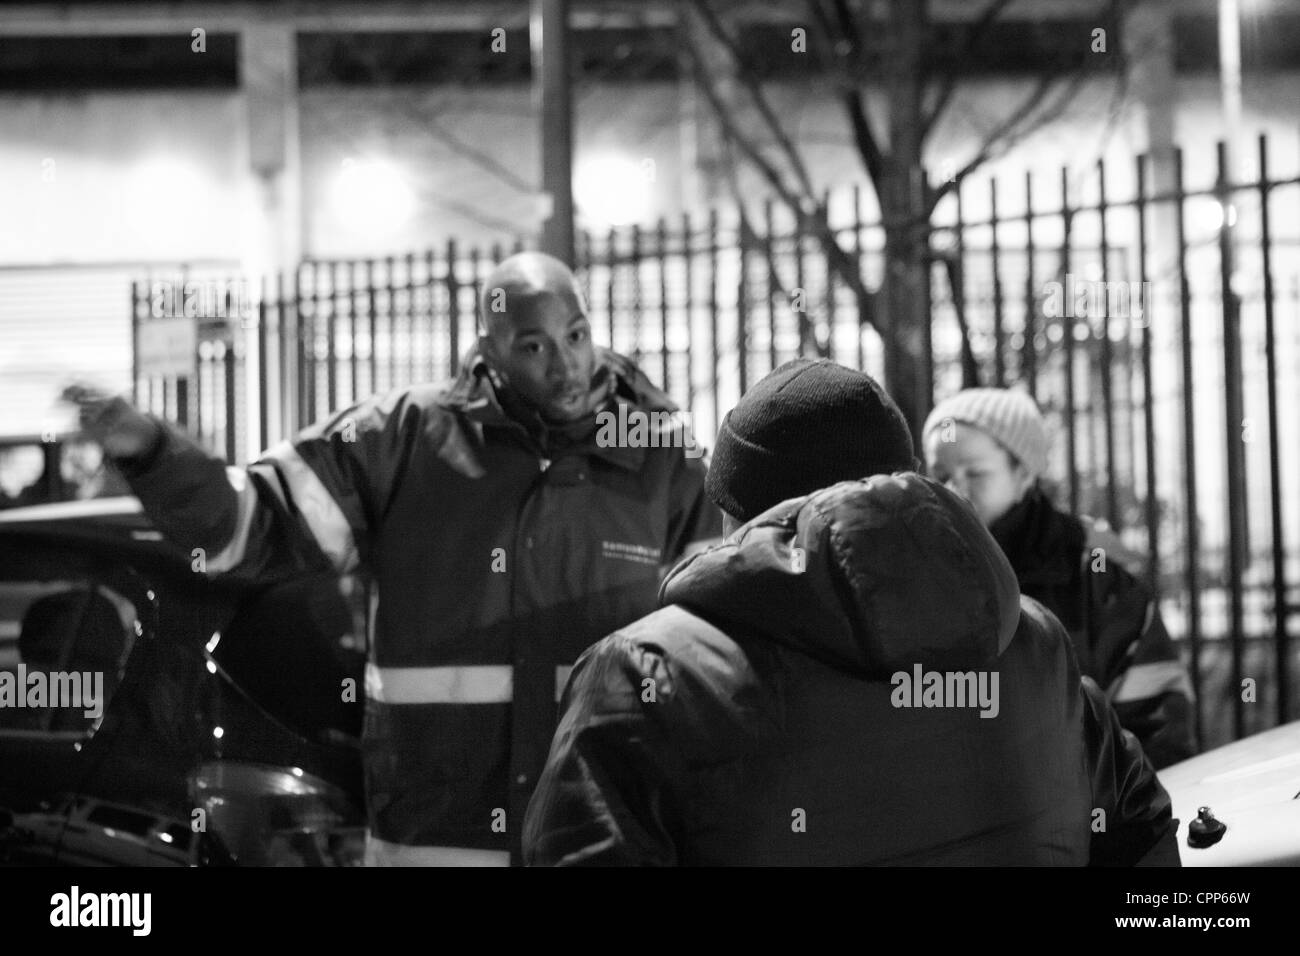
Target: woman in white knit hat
pixel 990 446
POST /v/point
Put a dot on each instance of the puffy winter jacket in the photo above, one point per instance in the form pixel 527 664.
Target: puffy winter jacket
pixel 851 678
pixel 498 551
pixel 1113 619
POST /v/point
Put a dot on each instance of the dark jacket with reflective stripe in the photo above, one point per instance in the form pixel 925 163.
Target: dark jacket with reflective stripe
pixel 1112 617
pixel 499 551
pixel 760 718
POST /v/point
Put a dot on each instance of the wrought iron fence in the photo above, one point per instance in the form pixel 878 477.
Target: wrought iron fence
pixel 1160 333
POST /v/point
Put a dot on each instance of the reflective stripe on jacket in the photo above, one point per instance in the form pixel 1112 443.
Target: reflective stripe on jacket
pixel 497 556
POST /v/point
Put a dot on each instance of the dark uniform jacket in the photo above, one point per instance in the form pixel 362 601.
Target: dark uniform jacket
pixel 498 550
pixel 1111 616
pixel 771 714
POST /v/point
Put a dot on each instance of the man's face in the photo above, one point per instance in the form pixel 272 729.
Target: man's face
pixel 544 350
pixel 976 467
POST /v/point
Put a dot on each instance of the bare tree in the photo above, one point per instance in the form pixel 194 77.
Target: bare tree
pixel 917 93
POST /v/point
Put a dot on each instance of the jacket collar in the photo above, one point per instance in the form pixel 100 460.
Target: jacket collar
pixel 478 392
pixel 1042 543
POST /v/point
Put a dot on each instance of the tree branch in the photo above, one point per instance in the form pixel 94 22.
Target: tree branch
pixel 1011 130
pixel 750 239
pixel 851 98
pixel 747 77
pixel 1016 126
pixel 488 163
pixel 979 29
pixel 849 24
pixel 850 95
pixel 807 210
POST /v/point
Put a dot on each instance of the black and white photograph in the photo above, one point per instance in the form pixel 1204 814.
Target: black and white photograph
pixel 678 433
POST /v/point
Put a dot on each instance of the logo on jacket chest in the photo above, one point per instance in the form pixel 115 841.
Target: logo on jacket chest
pixel 627 551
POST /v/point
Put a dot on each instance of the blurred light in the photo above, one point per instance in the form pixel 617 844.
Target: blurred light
pixel 212 668
pixel 296 771
pixel 218 732
pixel 612 190
pixel 213 642
pixel 168 176
pixel 165 837
pixel 1205 214
pixel 161 186
pixel 372 196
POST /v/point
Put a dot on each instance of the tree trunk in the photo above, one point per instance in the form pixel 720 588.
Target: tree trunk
pixel 906 298
pixel 902 192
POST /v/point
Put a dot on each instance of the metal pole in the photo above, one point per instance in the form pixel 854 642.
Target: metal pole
pixel 1107 358
pixel 999 367
pixel 453 308
pixel 1236 457
pixel 549 33
pixel 665 357
pixel 1192 553
pixel 1280 607
pixel 1230 77
pixel 1029 361
pixel 1068 326
pixel 1148 391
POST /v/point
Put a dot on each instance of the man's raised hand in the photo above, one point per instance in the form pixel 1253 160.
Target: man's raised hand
pixel 122 430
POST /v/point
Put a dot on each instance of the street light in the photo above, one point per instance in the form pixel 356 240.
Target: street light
pixel 372 196
pixel 614 190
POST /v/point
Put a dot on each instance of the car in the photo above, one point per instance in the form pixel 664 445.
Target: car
pixel 80 830
pixel 56 466
pixel 203 679
pixel 1239 805
pixel 207 735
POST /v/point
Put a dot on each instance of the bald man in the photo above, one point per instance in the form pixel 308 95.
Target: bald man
pixel 502 526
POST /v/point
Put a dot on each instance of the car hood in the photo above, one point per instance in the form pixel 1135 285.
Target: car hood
pixel 123 511
pixel 1252 787
pixel 116 527
pixel 119 517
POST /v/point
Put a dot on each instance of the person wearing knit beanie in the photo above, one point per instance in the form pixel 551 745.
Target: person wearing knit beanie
pixel 987 444
pixel 806 425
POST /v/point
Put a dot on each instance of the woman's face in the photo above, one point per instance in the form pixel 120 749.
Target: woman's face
pixel 975 466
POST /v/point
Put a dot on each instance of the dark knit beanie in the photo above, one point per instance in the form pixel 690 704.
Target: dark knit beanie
pixel 806 425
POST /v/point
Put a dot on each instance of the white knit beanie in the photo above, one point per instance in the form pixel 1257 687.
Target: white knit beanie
pixel 1009 417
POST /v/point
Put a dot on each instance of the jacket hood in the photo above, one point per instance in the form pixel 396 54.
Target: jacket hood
pixel 871 577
